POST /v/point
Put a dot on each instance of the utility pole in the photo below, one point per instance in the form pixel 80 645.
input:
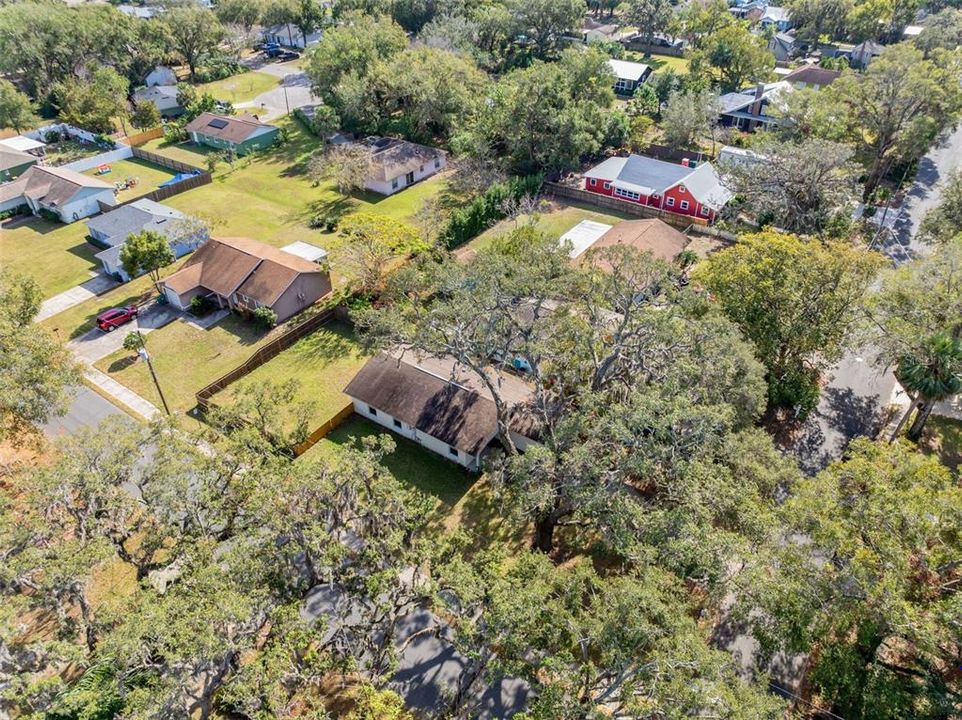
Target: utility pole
pixel 146 356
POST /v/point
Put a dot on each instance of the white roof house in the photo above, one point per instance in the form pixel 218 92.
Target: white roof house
pixel 22 143
pixel 583 235
pixel 311 253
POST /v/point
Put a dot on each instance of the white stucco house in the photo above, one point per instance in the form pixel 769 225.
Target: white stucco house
pixel 68 194
pixel 397 164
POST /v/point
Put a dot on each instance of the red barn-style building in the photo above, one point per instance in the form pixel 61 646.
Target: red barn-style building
pixel 681 189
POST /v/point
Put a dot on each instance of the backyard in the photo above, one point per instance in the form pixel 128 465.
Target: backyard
pixel 146 176
pixel 270 198
pixel 324 362
pixel 659 63
pixel 57 256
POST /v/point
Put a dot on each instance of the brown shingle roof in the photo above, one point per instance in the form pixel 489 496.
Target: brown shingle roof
pixel 53 186
pixel 650 235
pixel 436 397
pixel 10 158
pixel 813 75
pixel 235 128
pixel 229 265
pixel 399 157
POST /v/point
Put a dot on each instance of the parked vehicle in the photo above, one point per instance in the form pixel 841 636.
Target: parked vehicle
pixel 110 320
pixel 286 55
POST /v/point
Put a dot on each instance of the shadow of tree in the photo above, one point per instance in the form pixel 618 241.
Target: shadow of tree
pixel 122 364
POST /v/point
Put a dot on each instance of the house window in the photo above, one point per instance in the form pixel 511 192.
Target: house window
pixel 591 181
pixel 671 202
pixel 681 188
pixel 394 184
pixel 453 452
pixel 704 211
pixel 627 194
pixel 437 163
pixel 398 424
pixel 684 204
pixel 421 169
pixel 371 411
pixel 409 178
pixel 607 186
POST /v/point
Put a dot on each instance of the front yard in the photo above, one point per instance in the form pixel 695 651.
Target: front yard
pixel 145 176
pixel 323 362
pixel 56 255
pixel 240 88
pixel 186 358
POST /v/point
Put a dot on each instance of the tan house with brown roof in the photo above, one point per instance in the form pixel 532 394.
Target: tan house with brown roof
pixel 397 164
pixel 241 133
pixel 439 404
pixel 246 274
pixel 68 194
pixel 649 235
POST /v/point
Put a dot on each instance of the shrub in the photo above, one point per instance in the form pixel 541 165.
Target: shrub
pixel 265 317
pixel 323 220
pixel 200 305
pixel 19 210
pixel 48 215
pixel 486 209
pixel 174 132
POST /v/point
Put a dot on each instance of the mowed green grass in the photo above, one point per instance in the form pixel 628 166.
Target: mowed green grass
pixel 240 88
pixel 57 256
pixel 270 198
pixel 323 362
pixel 148 176
pixel 659 63
pixel 186 358
pixel 943 436
pixel 558 219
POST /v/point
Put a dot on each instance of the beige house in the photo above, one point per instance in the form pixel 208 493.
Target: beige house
pixel 65 193
pixel 397 164
pixel 244 274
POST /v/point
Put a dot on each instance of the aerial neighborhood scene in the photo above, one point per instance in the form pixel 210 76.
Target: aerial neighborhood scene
pixel 456 359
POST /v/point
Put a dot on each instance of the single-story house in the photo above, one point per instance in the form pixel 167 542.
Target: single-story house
pixel 25 144
pixel 112 229
pixel 290 36
pixel 161 75
pixel 244 274
pixel 782 46
pixel 777 17
pixel 164 98
pixel 241 133
pixel 439 404
pixel 688 189
pixel 646 235
pixel 811 76
pixel 746 109
pixel 863 53
pixel 13 163
pixel 67 193
pixel 628 75
pixel 396 164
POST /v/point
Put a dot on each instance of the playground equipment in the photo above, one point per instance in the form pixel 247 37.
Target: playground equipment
pixel 103 169
pixel 129 182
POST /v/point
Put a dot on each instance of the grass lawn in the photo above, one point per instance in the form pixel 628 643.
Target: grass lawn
pixel 148 175
pixel 462 501
pixel 943 436
pixel 184 152
pixel 659 63
pixel 324 362
pixel 56 255
pixel 240 88
pixel 270 198
pixel 556 221
pixel 186 359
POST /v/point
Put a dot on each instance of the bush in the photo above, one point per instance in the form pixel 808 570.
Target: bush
pixel 218 67
pixel 174 132
pixel 798 390
pixel 200 305
pixel 19 210
pixel 468 222
pixel 324 220
pixel 48 215
pixel 265 317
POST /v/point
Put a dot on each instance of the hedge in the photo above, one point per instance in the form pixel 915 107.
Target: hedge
pixel 485 210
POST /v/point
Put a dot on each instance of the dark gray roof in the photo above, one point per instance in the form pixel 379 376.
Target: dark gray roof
pixel 117 224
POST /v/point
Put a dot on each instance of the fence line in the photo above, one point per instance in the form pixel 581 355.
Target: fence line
pixel 105 158
pixel 681 222
pixel 261 356
pixel 321 432
pixel 164 161
pixel 143 137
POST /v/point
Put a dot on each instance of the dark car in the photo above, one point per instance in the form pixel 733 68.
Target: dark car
pixel 285 55
pixel 110 320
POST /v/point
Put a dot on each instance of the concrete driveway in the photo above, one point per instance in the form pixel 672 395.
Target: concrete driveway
pixel 96 344
pixel 97 285
pixel 294 91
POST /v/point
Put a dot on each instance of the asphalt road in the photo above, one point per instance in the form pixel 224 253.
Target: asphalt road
pixel 87 409
pixel 858 391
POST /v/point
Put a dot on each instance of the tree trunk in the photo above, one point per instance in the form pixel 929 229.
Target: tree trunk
pixel 925 409
pixel 544 528
pixel 905 416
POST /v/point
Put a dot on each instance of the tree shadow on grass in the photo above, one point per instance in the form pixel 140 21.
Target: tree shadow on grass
pixel 332 342
pixel 334 209
pixel 121 364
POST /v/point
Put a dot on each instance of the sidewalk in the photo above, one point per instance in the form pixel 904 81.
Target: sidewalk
pixel 97 285
pixel 126 397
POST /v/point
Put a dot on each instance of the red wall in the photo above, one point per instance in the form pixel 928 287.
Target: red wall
pixel 693 210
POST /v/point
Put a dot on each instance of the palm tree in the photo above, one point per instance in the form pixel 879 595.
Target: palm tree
pixel 932 374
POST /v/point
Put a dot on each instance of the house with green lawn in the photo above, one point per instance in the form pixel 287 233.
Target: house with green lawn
pixel 241 133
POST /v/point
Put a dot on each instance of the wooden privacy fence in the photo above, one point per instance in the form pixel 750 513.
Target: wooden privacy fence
pixel 165 161
pixel 143 137
pixel 681 222
pixel 312 439
pixel 268 351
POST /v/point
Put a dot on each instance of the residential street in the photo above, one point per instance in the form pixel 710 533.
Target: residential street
pixel 856 396
pixel 294 91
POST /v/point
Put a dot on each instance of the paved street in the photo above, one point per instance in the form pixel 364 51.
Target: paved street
pixel 857 394
pixel 294 91
pixel 87 409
